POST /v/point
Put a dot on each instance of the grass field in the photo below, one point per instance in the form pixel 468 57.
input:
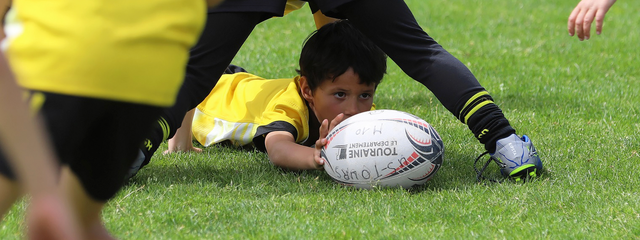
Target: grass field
pixel 578 101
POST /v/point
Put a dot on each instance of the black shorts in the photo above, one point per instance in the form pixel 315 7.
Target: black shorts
pixel 98 139
pixel 275 8
pixel 270 8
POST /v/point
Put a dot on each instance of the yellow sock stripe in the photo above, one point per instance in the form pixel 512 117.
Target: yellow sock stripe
pixel 477 95
pixel 165 128
pixel 36 102
pixel 474 109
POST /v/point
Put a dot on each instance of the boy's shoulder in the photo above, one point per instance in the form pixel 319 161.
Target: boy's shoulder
pixel 259 86
pixel 246 92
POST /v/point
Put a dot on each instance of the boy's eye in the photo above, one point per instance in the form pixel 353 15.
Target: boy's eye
pixel 340 94
pixel 365 96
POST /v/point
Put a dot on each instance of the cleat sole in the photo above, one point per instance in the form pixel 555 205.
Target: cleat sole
pixel 527 170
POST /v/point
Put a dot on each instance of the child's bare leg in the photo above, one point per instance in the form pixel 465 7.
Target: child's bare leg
pixel 87 210
pixel 9 193
pixel 182 141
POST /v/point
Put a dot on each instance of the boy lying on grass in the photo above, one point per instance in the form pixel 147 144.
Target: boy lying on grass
pixel 339 72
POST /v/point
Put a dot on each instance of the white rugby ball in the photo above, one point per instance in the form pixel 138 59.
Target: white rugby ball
pixel 385 148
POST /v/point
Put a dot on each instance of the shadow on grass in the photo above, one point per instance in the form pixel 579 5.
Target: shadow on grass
pixel 222 166
pixel 458 172
pixel 226 167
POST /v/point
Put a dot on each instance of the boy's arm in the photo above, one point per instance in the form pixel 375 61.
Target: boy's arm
pixel 182 140
pixel 283 151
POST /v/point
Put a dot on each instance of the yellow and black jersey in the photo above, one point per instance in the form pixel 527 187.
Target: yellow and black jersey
pixel 132 51
pixel 243 106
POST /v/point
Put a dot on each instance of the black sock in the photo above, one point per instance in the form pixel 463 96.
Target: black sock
pixel 161 132
pixel 485 119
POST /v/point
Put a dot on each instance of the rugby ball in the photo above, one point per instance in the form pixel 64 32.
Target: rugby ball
pixel 382 148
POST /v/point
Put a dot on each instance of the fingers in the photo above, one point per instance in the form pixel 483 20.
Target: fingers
pixel 586 22
pixel 182 149
pixel 579 25
pixel 585 13
pixel 337 120
pixel 324 128
pixel 599 21
pixel 320 143
pixel 571 23
pixel 319 163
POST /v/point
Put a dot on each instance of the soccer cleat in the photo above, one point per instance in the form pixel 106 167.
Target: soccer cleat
pixel 137 164
pixel 517 157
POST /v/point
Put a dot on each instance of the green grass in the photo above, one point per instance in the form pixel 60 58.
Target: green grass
pixel 576 100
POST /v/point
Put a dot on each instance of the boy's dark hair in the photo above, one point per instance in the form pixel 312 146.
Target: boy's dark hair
pixel 329 51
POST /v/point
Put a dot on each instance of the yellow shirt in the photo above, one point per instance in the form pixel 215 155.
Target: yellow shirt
pixel 241 103
pixel 243 107
pixel 134 51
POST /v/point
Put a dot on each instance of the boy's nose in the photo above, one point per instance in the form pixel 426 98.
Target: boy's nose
pixel 351 109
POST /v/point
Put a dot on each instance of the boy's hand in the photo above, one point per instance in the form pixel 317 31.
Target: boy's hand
pixel 182 149
pixel 584 14
pixel 325 128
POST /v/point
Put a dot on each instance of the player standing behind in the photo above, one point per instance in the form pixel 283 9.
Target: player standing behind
pixel 26 144
pixel 584 14
pixel 48 214
pixel 340 70
pixel 100 68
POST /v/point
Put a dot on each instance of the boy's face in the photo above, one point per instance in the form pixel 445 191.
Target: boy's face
pixel 343 95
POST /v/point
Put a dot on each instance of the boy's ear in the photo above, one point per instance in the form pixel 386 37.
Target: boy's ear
pixel 305 89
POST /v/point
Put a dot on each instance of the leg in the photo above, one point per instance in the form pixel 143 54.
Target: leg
pixel 9 192
pixel 391 25
pixel 87 209
pixel 48 214
pixel 97 139
pixel 223 35
pixel 9 189
pixel 50 217
pixel 182 140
